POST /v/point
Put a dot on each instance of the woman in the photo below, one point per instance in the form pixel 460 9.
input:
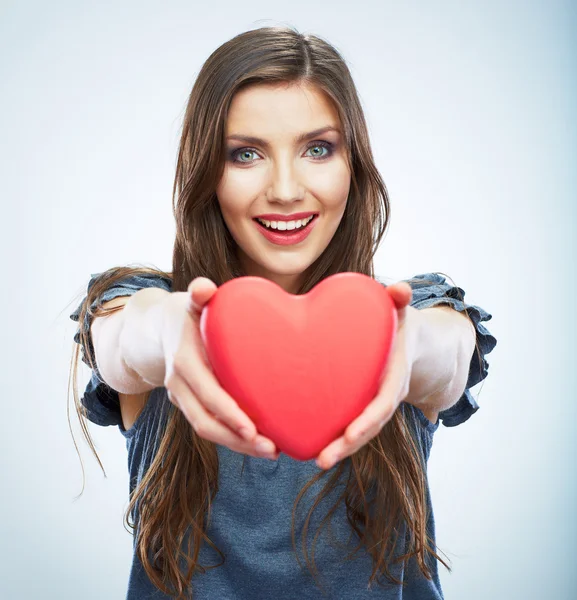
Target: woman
pixel 275 178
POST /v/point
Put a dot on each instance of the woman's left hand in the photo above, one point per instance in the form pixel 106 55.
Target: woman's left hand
pixel 394 387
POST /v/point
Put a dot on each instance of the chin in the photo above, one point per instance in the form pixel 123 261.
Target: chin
pixel 278 263
pixel 270 274
pixel 287 268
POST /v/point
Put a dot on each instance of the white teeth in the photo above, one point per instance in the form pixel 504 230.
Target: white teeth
pixel 286 225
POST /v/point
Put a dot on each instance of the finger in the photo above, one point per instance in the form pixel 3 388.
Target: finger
pixel 210 428
pixel 201 290
pixel 392 389
pixel 369 428
pixel 364 428
pixel 401 293
pixel 378 412
pixel 342 447
pixel 203 383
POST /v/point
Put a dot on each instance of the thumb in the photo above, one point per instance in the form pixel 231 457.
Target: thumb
pixel 200 291
pixel 401 293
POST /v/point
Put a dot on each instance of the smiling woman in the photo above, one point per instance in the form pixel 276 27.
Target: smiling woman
pixel 275 178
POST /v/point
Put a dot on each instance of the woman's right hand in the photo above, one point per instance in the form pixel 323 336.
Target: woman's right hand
pixel 191 383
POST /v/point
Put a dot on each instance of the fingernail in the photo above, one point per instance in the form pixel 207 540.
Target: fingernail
pixel 264 449
pixel 329 463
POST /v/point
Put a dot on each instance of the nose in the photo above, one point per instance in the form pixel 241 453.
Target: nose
pixel 285 186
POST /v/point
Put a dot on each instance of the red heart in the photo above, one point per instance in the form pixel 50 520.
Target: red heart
pixel 302 367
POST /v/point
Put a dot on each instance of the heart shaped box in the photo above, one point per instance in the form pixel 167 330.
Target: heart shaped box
pixel 302 367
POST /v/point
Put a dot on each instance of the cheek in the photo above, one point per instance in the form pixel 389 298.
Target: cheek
pixel 236 189
pixel 332 186
pixel 233 210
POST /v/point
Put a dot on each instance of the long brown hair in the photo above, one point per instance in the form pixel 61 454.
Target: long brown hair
pixel 390 469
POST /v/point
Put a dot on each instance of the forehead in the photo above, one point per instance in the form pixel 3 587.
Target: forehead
pixel 274 109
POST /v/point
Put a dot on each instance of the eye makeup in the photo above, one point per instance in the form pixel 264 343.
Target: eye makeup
pixel 232 154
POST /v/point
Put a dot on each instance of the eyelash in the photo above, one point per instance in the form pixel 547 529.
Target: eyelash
pixel 323 144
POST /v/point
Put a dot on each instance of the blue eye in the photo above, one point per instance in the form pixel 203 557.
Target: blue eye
pixel 235 154
pixel 325 145
pixel 244 151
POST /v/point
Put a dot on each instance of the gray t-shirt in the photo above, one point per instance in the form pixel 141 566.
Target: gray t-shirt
pixel 252 511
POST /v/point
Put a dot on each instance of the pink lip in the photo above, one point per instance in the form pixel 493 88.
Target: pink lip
pixel 293 217
pixel 286 239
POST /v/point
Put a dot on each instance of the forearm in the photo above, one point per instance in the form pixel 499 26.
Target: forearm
pixel 445 345
pixel 140 341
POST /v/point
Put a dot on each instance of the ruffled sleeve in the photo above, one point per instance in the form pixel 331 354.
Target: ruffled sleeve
pixel 99 400
pixel 431 289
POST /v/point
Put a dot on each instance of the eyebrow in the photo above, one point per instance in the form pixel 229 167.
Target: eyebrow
pixel 249 139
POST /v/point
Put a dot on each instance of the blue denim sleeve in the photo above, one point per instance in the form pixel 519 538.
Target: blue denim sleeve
pixel 439 291
pixel 100 401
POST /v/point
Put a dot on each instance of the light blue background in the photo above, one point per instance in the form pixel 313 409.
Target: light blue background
pixel 471 109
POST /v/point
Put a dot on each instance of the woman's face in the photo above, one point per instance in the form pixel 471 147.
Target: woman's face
pixel 283 170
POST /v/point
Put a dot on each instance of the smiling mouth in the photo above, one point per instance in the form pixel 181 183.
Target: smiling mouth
pixel 298 232
pixel 285 226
